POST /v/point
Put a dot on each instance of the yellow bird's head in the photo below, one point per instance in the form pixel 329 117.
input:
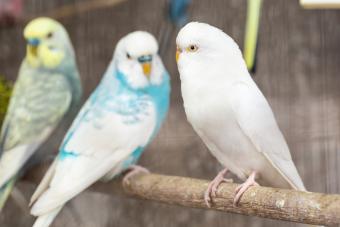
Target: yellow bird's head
pixel 47 43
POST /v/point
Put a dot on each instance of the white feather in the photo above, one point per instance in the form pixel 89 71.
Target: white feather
pixel 228 111
pixel 12 160
pixel 99 150
pixel 47 219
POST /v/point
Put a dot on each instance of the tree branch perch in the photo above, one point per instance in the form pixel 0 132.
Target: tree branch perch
pixel 281 204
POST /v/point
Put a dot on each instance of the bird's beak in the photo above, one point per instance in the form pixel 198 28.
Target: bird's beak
pixel 32 46
pixel 147 68
pixel 145 61
pixel 178 52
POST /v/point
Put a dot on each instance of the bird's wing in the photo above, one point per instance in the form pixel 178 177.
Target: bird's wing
pixel 257 122
pixel 98 140
pixel 35 109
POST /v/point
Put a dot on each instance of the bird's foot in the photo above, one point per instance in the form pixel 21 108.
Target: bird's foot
pixel 244 187
pixel 213 185
pixel 134 169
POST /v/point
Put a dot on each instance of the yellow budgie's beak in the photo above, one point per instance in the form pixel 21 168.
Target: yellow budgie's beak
pixel 32 46
pixel 145 61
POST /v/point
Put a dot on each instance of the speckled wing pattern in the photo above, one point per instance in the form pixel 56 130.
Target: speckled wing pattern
pixel 39 101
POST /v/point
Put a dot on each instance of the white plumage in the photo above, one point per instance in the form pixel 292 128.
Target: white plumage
pixel 228 111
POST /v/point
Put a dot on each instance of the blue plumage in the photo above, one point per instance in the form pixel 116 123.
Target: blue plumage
pixel 107 97
pixel 119 119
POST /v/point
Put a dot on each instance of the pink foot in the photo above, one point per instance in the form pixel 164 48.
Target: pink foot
pixel 244 187
pixel 213 185
pixel 134 169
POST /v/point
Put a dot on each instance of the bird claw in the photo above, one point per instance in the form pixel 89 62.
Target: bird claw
pixel 239 191
pixel 207 198
pixel 213 186
pixel 134 169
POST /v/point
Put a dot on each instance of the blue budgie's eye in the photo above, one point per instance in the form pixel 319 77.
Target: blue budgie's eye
pixel 49 35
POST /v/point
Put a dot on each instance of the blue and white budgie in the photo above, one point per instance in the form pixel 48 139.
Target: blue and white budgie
pixel 112 129
pixel 48 86
pixel 229 112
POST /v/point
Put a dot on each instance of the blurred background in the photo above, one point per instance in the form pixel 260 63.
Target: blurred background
pixel 297 68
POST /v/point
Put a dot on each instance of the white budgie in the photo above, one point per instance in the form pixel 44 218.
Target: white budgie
pixel 229 112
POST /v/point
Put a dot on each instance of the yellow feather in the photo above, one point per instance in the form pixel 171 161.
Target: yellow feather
pixel 50 58
pixel 40 27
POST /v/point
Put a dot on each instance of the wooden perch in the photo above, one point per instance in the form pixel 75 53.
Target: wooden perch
pixel 281 204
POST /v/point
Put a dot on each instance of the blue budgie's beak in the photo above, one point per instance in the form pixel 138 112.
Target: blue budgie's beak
pixel 145 61
pixel 33 42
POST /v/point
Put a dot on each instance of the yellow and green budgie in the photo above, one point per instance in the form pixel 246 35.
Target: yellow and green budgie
pixel 48 86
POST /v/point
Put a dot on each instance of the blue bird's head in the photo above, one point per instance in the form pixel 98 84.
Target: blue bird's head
pixel 137 59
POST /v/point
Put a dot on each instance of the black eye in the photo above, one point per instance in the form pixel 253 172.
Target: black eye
pixel 128 56
pixel 49 35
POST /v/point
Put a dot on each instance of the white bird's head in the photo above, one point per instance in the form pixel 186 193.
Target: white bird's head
pixel 204 48
pixel 136 57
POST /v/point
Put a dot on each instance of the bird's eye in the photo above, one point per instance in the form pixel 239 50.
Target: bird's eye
pixel 49 35
pixel 192 48
pixel 128 56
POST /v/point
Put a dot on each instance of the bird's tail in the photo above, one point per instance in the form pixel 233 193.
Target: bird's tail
pixel 5 191
pixel 47 219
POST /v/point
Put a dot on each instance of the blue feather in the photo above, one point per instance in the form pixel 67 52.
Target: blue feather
pixel 106 98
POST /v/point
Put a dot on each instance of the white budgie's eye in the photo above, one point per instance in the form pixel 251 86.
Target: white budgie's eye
pixel 128 56
pixel 192 48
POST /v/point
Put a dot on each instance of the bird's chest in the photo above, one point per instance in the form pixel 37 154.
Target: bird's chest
pixel 206 109
pixel 214 120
